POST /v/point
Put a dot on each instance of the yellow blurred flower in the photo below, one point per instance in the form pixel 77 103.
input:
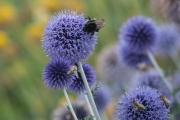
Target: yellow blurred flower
pixel 55 5
pixel 50 4
pixel 34 31
pixel 7 13
pixel 3 39
pixel 74 4
pixel 6 46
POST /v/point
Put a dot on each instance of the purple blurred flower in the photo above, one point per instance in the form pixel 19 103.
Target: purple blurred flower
pixel 62 113
pixel 130 57
pixel 101 98
pixel 154 109
pixel 77 84
pixel 139 33
pixel 167 40
pixel 64 37
pixel 55 73
pixel 175 80
pixel 113 72
pixel 152 79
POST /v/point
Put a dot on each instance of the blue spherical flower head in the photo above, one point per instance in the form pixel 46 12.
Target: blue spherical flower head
pixel 142 104
pixel 139 33
pixel 131 58
pixel 167 40
pixel 55 73
pixel 152 79
pixel 64 36
pixel 77 84
pixel 101 98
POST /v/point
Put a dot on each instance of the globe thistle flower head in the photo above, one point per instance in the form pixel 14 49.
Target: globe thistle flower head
pixel 142 104
pixel 151 79
pixel 139 32
pixel 101 98
pixel 131 58
pixel 77 84
pixel 55 73
pixel 64 36
pixel 167 40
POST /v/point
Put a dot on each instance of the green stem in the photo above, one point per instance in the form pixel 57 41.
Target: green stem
pixel 90 97
pixel 89 105
pixel 69 104
pixel 155 64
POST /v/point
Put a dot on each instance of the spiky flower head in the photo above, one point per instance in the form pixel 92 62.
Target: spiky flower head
pixel 101 98
pixel 142 104
pixel 77 84
pixel 167 40
pixel 139 33
pixel 151 79
pixel 55 73
pixel 64 36
pixel 131 58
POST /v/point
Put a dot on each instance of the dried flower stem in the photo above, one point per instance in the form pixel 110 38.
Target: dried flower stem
pixel 69 104
pixel 89 105
pixel 90 97
pixel 155 64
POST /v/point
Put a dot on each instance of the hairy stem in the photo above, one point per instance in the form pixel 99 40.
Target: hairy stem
pixel 90 96
pixel 69 104
pixel 89 105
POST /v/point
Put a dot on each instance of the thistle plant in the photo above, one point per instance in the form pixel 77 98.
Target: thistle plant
pixel 65 37
pixel 70 37
pixel 138 36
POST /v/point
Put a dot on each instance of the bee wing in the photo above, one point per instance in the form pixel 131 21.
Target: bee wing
pixel 100 23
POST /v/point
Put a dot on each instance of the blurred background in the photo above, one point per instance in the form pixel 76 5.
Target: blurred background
pixel 23 95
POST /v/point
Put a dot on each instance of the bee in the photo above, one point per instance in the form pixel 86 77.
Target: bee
pixel 73 69
pixel 165 100
pixel 93 25
pixel 138 105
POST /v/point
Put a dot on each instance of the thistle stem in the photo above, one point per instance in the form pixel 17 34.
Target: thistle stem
pixel 155 64
pixel 89 105
pixel 90 97
pixel 69 104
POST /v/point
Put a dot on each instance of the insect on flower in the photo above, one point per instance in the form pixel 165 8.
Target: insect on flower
pixel 73 69
pixel 138 105
pixel 93 25
pixel 165 100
